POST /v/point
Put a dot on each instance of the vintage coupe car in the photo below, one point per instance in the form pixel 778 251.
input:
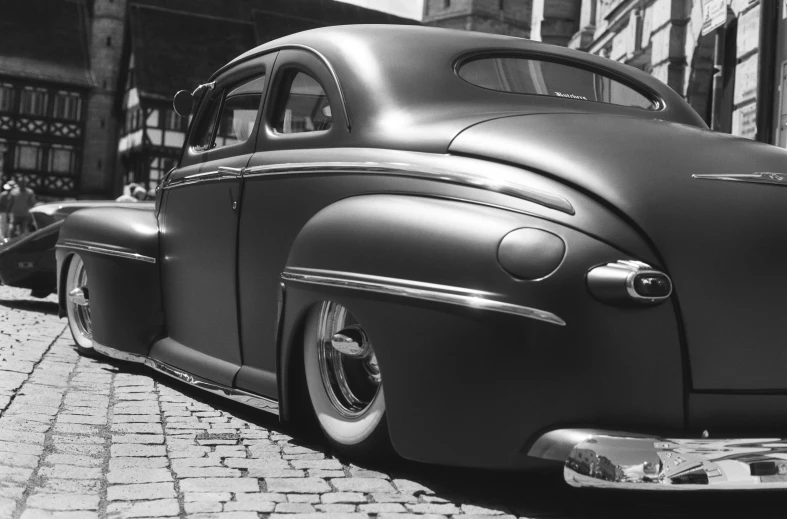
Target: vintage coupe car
pixel 479 250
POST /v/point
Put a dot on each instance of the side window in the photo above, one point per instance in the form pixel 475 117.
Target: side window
pixel 203 134
pixel 306 107
pixel 239 105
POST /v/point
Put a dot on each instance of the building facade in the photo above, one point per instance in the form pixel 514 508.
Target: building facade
pixel 725 57
pixel 86 86
pixel 45 87
pixel 511 17
pixel 199 37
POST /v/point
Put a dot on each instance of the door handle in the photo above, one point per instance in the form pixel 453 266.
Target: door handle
pixel 231 171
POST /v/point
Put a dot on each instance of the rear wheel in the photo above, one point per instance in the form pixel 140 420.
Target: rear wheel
pixel 345 383
pixel 78 306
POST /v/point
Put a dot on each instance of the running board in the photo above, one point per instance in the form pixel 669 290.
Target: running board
pixel 238 395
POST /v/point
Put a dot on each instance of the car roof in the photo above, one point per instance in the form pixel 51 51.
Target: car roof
pixel 401 89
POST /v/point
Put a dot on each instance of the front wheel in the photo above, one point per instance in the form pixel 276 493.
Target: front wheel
pixel 78 306
pixel 345 384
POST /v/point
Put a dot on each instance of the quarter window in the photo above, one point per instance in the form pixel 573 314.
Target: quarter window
pixel 530 76
pixel 306 108
pixel 203 137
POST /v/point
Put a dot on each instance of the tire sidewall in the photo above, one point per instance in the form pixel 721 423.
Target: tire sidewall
pixel 74 266
pixel 341 430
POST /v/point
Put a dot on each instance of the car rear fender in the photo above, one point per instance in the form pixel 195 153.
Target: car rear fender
pixel 454 332
pixel 119 247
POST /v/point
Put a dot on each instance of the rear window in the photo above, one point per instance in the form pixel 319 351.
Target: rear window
pixel 531 76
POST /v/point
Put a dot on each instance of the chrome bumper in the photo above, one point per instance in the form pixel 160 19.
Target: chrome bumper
pixel 608 459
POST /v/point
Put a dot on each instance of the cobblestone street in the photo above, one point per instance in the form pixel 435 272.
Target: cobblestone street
pixel 89 438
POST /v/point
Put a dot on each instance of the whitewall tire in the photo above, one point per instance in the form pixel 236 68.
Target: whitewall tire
pixel 346 391
pixel 78 305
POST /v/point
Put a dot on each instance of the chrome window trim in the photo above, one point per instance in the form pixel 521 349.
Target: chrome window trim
pixel 399 169
pixel 105 251
pixel 257 401
pixel 417 290
pixel 318 54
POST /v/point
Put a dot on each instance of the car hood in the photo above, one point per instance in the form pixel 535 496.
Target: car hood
pixel 723 243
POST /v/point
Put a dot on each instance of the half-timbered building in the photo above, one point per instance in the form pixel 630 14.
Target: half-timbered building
pixel 44 85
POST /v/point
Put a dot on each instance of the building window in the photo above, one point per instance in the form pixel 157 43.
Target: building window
pixel 68 105
pixel 152 119
pixel 6 97
pixel 3 154
pixel 159 166
pixel 501 5
pixel 109 41
pixel 34 101
pixel 133 119
pixel 29 155
pixel 172 121
pixel 446 4
pixel 62 159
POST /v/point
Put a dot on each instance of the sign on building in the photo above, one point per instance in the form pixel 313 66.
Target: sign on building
pixel 744 121
pixel 748 31
pixel 714 15
pixel 746 80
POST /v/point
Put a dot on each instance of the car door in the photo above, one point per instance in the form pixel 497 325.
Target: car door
pixel 198 228
pixel 304 110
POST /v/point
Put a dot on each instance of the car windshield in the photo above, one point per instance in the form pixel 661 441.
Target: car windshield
pixel 531 76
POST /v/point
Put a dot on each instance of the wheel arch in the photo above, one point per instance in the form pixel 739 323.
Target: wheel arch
pixel 119 247
pixel 451 246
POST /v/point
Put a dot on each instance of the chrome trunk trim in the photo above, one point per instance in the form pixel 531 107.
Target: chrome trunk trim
pixel 105 251
pixel 619 460
pixel 396 169
pixel 260 402
pixel 760 177
pixel 418 290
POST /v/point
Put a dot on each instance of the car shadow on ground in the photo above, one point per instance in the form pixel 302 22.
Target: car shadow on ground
pixel 31 305
pixel 539 494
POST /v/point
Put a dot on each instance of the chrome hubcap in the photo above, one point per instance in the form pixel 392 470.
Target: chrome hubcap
pixel 79 298
pixel 348 365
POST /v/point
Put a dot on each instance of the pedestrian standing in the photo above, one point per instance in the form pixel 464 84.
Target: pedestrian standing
pixel 22 199
pixel 5 204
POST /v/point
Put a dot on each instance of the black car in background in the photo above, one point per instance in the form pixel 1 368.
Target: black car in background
pixel 28 261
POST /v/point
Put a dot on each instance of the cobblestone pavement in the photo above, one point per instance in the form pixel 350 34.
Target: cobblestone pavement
pixel 83 438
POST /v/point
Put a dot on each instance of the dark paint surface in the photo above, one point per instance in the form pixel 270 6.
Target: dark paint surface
pixel 125 294
pixel 29 261
pixel 721 242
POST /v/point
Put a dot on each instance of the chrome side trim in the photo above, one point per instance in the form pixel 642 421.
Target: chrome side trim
pixel 416 171
pixel 223 173
pixel 417 290
pixel 238 395
pixel 620 460
pixel 760 177
pixel 105 251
